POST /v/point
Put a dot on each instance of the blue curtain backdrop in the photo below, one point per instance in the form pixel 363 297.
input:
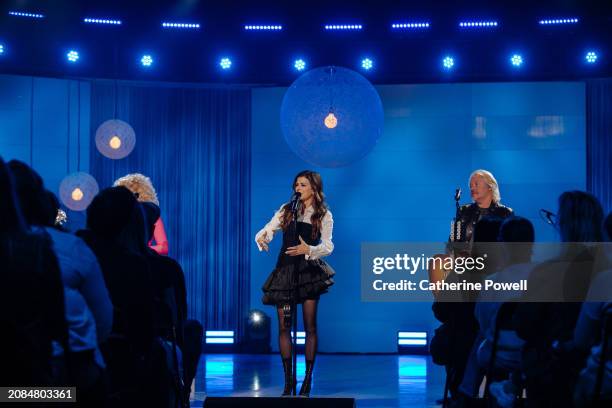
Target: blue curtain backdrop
pixel 599 140
pixel 194 143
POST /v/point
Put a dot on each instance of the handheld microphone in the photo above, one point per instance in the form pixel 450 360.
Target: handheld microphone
pixel 458 194
pixel 547 216
pixel 295 201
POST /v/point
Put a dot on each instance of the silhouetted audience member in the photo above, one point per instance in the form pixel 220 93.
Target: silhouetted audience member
pixel 518 235
pixel 454 339
pixel 589 338
pixel 127 277
pixel 31 297
pixel 549 363
pixel 167 385
pixel 88 307
pixel 189 331
pixel 608 227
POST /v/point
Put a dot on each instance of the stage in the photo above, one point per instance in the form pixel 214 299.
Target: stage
pixel 373 380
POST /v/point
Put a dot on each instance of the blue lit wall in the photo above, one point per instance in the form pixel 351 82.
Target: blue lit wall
pixel 530 135
pixel 45 122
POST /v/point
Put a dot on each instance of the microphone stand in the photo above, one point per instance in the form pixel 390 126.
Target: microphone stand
pixel 293 306
pixel 457 224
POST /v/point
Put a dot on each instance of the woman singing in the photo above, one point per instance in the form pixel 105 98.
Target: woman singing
pixel 300 275
pixel 142 187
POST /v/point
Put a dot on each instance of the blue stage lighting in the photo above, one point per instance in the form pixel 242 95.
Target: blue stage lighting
pixel 301 338
pixel 477 24
pixel 193 26
pixel 263 27
pixel 1 49
pixel 256 337
pixel 332 27
pixel 220 341
pixel 101 21
pixel 409 26
pixel 367 64
pixel 221 368
pixel 146 60
pixel 28 15
pixel 555 21
pixel 516 60
pixel 256 317
pixel 412 342
pixel 225 63
pixel 219 337
pixel 411 370
pixel 73 56
pixel 591 57
pixel 448 62
pixel 299 64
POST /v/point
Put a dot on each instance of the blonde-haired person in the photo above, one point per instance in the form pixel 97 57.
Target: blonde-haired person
pixel 143 189
pixel 486 201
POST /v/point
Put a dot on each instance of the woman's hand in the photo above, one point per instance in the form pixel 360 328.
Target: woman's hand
pixel 263 241
pixel 302 249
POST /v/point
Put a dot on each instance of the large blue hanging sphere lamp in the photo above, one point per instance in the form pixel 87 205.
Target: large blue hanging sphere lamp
pixel 331 116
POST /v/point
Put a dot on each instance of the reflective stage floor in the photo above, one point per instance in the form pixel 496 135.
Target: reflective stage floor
pixel 374 380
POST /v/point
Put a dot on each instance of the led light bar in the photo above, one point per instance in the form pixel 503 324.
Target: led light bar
pixel 263 27
pixel 411 335
pixel 477 24
pixel 343 27
pixel 554 21
pixel 301 338
pixel 28 15
pixel 219 337
pixel 220 340
pixel 411 342
pixel 219 333
pixel 404 26
pixel 193 26
pixel 101 21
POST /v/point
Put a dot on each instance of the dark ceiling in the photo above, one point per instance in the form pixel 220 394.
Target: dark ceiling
pixel 39 46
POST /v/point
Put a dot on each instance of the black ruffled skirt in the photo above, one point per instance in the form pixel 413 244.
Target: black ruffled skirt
pixel 314 277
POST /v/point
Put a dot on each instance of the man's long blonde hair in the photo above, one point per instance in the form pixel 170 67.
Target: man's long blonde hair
pixel 491 182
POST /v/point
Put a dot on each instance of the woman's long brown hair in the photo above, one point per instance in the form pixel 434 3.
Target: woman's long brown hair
pixel 318 204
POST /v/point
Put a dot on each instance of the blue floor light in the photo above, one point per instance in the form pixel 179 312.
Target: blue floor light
pixel 412 342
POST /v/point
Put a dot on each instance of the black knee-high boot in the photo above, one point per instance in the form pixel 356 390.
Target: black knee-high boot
pixel 307 383
pixel 287 367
